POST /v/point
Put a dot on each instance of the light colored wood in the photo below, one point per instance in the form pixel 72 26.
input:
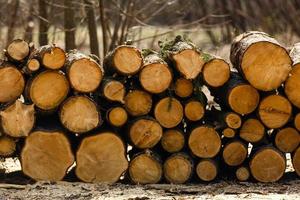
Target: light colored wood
pixel 168 112
pixel 7 146
pixel 79 114
pixel 46 156
pixel 233 120
pixel 204 142
pixel 114 91
pixel 297 121
pixel 296 160
pixel 48 89
pixel 145 133
pixel 101 158
pixel 18 50
pixel 267 165
pixel 172 140
pixel 252 130
pixel 117 116
pixel 12 83
pixel 216 72
pixel 207 170
pixel 235 153
pixel 183 87
pixel 242 173
pixel 194 110
pixel 138 103
pixel 52 57
pixel 274 111
pixel 228 132
pixel 287 139
pixel 243 99
pixel 33 65
pixel 17 120
pixel 292 85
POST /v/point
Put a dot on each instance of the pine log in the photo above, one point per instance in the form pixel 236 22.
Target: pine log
pixel 12 83
pixel 138 102
pixel 116 116
pixel 261 59
pixel 51 57
pixel 125 60
pixel 33 65
pixel 292 82
pixel 267 164
pixel 47 90
pixel 113 90
pixel 194 110
pixel 83 72
pixel 7 146
pixel 178 168
pixel 168 112
pixel 145 132
pixel 145 168
pixel 252 130
pixel 18 50
pixel 155 75
pixel 296 160
pixel 17 120
pixel 79 114
pixel 204 142
pixel 242 173
pixel 228 132
pixel 207 169
pixel 46 155
pixel 297 121
pixel 183 87
pixel 101 158
pixel 287 139
pixel 172 140
pixel 216 72
pixel 234 153
pixel 223 119
pixel 274 111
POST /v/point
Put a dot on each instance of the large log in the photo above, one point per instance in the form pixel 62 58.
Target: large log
pixel 46 155
pixel 252 130
pixel 138 102
pixel 83 72
pixel 17 120
pixel 51 57
pixel 287 139
pixel 80 114
pixel 216 72
pixel 101 158
pixel 18 50
pixel 207 169
pixel 183 87
pixel 261 59
pixel 296 160
pixel 234 152
pixel 7 146
pixel 173 140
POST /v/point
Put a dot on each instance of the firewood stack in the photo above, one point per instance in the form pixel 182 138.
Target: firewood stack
pixel 143 116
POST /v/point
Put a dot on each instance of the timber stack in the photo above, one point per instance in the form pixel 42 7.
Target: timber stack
pixel 146 117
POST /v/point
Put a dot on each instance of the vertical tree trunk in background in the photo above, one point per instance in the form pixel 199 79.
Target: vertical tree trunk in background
pixel 43 23
pixel 103 25
pixel 92 26
pixel 11 26
pixel 69 25
pixel 29 26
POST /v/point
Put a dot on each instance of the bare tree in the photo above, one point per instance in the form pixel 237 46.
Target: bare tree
pixel 11 25
pixel 43 23
pixel 69 25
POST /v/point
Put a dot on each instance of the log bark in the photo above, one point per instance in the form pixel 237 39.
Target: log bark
pixel 207 170
pixel 138 102
pixel 252 54
pixel 173 140
pixel 51 57
pixel 286 139
pixel 252 130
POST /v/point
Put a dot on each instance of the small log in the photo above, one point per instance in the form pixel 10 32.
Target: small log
pixel 194 110
pixel 228 132
pixel 51 57
pixel 101 158
pixel 145 132
pixel 18 50
pixel 33 65
pixel 79 114
pixel 287 139
pixel 47 90
pixel 155 76
pixel 7 146
pixel 172 140
pixel 204 142
pixel 183 87
pixel 252 130
pixel 46 155
pixel 113 90
pixel 145 168
pixel 223 119
pixel 12 83
pixel 125 60
pixel 297 121
pixel 267 164
pixel 168 112
pixel 296 160
pixel 83 72
pixel 252 53
pixel 234 153
pixel 242 173
pixel 274 111
pixel 17 120
pixel 207 170
pixel 116 116
pixel 138 102
pixel 178 168
pixel 216 72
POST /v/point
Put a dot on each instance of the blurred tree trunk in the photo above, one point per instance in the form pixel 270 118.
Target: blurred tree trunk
pixel 43 23
pixel 12 23
pixel 30 25
pixel 103 25
pixel 92 27
pixel 69 25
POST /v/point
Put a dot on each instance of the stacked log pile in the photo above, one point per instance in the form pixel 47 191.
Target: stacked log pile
pixel 143 116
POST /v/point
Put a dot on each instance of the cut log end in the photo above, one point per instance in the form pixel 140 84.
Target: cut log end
pixel 18 119
pixel 287 139
pixel 138 103
pixel 33 65
pixel 117 116
pixel 296 161
pixel 267 165
pixel 242 173
pixel 233 120
pixel 183 88
pixel 172 140
pixel 7 146
pixel 168 112
pixel 216 72
pixel 46 156
pixel 252 130
pixel 53 57
pixel 292 84
pixel 234 153
pixel 297 121
pixel 228 133
pixel 101 158
pixel 114 91
pixel 18 50
pixel 207 170
pixel 243 99
pixel 79 114
pixel 204 142
pixel 275 111
pixel 194 110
